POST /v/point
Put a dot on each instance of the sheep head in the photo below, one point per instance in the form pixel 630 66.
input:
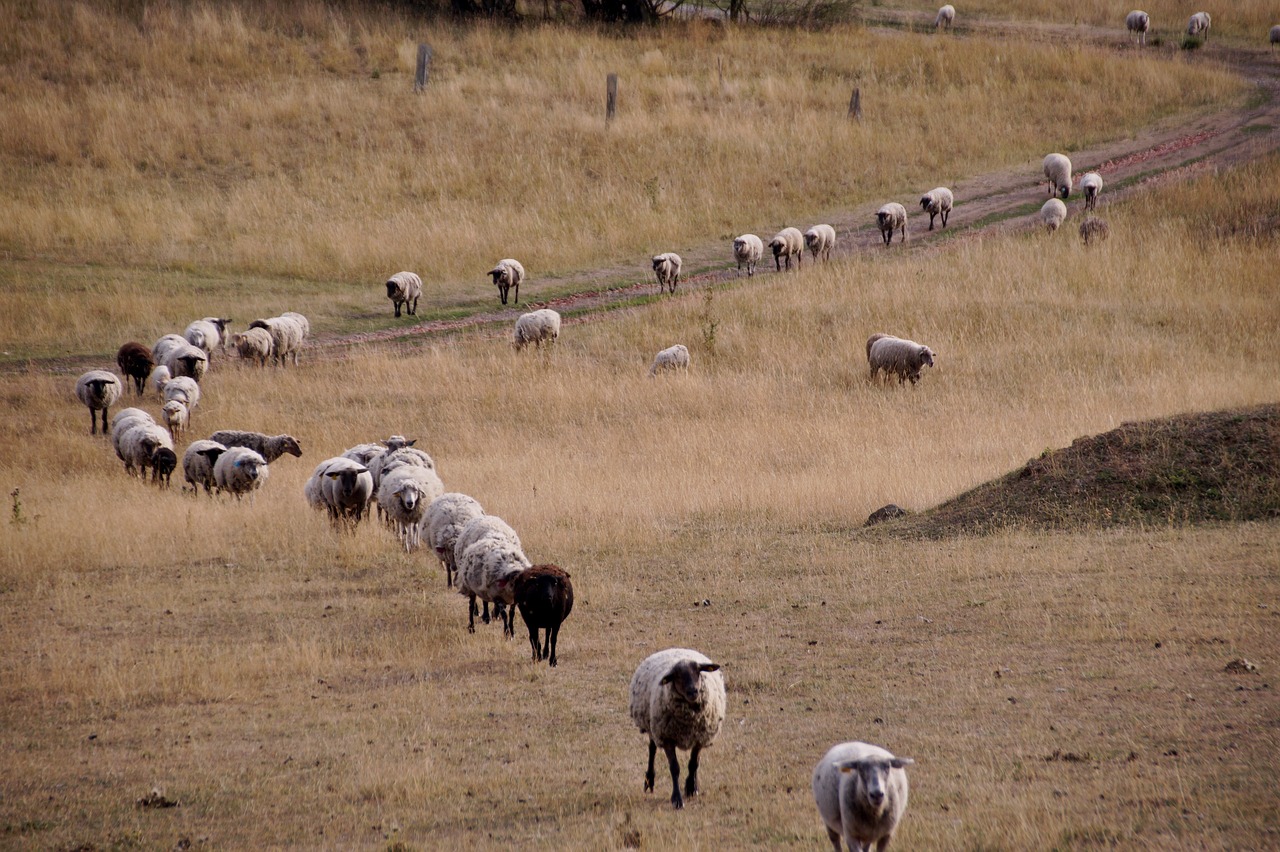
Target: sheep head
pixel 869 777
pixel 685 679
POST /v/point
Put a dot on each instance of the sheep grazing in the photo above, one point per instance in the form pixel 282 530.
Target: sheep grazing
pixel 861 792
pixel 897 356
pixel 786 244
pixel 1094 228
pixel 286 333
pixel 254 344
pixel 269 447
pixel 197 464
pixel 1138 22
pixel 677 698
pixel 537 328
pixel 892 217
pixel 1057 171
pixel 404 494
pixel 820 240
pixel 342 487
pixel 176 416
pixel 184 389
pixel 208 334
pixel 240 471
pixel 475 530
pixel 1091 186
pixel 1198 25
pixel 672 358
pixel 666 268
pixel 544 596
pixel 159 377
pixel 135 362
pixel 446 516
pixel 748 249
pixel 1274 36
pixel 1053 214
pixel 506 274
pixel 404 288
pixel 937 202
pixel 487 570
pixel 946 17
pixel 98 390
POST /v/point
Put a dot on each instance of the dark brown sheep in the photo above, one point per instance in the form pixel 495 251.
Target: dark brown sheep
pixel 545 598
pixel 135 362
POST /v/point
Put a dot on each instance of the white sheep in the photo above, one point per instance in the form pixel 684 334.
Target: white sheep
pixel 1138 22
pixel 165 345
pixel 474 530
pixel 197 464
pixel 861 793
pixel 1198 25
pixel 820 240
pixel 748 249
pixel 666 268
pixel 270 447
pixel 677 698
pixel 403 495
pixel 446 516
pixel 254 344
pixel 1091 186
pixel 507 273
pixel 240 471
pixel 672 358
pixel 404 288
pixel 537 328
pixel 146 445
pixel 159 377
pixel 1053 214
pixel 286 337
pixel 937 202
pixel 487 570
pixel 341 486
pixel 184 389
pixel 99 390
pixel 897 356
pixel 208 334
pixel 786 244
pixel 1057 171
pixel 303 322
pixel 892 217
pixel 946 17
pixel 176 416
pixel 180 357
pixel 121 422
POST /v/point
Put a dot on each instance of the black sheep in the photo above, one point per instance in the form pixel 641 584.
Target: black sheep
pixel 545 598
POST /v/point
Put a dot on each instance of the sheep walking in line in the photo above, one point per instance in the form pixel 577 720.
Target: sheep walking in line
pixel 208 334
pixel 786 244
pixel 1093 228
pixel 342 487
pixel 177 417
pixel 487 570
pixel 672 358
pixel 404 288
pixel 240 471
pixel 1198 25
pixel 160 377
pixel 820 240
pixel 254 344
pixel 267 446
pixel 892 217
pixel 197 464
pixel 287 333
pixel 403 495
pixel 1138 22
pixel 537 328
pixel 896 356
pixel 748 249
pixel 179 357
pixel 1057 171
pixel 121 423
pixel 183 389
pixel 666 268
pixel 1091 186
pixel 861 793
pixel 507 274
pixel 544 596
pixel 1053 214
pixel 446 516
pixel 135 362
pixel 937 202
pixel 475 530
pixel 678 700
pixel 946 17
pixel 98 390
pixel 145 445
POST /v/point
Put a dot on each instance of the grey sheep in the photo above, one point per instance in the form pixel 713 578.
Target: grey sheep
pixel 98 390
pixel 748 249
pixel 1138 22
pixel 937 202
pixel 507 273
pixel 286 333
pixel 672 358
pixel 122 422
pixel 146 445
pixel 946 17
pixel 342 487
pixel 861 793
pixel 537 328
pixel 269 447
pixel 197 464
pixel 477 529
pixel 240 471
pixel 889 218
pixel 186 360
pixel 1094 228
pixel 666 268
pixel 184 389
pixel 786 244
pixel 1057 171
pixel 303 322
pixel 487 570
pixel 446 516
pixel 1198 25
pixel 898 357
pixel 404 288
pixel 820 240
pixel 208 334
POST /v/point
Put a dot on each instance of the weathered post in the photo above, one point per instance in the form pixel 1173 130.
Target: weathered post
pixel 855 104
pixel 420 77
pixel 611 97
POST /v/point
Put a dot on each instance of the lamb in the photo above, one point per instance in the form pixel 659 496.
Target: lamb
pixel 404 288
pixel 1198 25
pixel 177 417
pixel 544 596
pixel 341 486
pixel 159 377
pixel 1091 186
pixel 748 249
pixel 506 274
pixel 1138 22
pixel 937 202
pixel 404 494
pixel 255 344
pixel 197 464
pixel 861 792
pixel 146 445
pixel 1053 214
pixel 536 328
pixel 270 448
pixel 286 337
pixel 897 356
pixel 135 362
pixel 208 334
pixel 820 240
pixel 446 516
pixel 666 268
pixel 677 698
pixel 672 358
pixel 184 389
pixel 1057 171
pixel 487 570
pixel 786 244
pixel 476 529
pixel 946 17
pixel 240 471
pixel 186 360
pixel 892 217
pixel 1094 228
pixel 98 390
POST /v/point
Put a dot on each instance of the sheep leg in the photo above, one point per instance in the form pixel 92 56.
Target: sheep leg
pixel 834 837
pixel 93 422
pixel 946 214
pixel 485 615
pixel 648 776
pixel 931 215
pixel 517 292
pixel 471 612
pixel 691 782
pixel 533 641
pixel 553 633
pixel 674 763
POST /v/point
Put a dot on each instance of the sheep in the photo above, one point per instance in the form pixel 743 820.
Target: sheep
pixel 474 530
pixel 240 471
pixel 892 217
pixel 937 202
pixel 677 698
pixel 1053 214
pixel 1138 22
pixel 672 358
pixel 1274 36
pixel 135 362
pixel 404 288
pixel 303 322
pixel 446 516
pixel 487 570
pixel 208 334
pixel 666 268
pixel 177 417
pixel 536 328
pixel 396 456
pixel 254 344
pixel 1091 186
pixel 269 447
pixel 748 249
pixel 897 356
pixel 165 345
pixel 820 240
pixel 1094 228
pixel 786 244
pixel 544 596
pixel 286 337
pixel 122 422
pixel 184 389
pixel 404 494
pixel 861 793
pixel 1198 25
pixel 146 445
pixel 341 486
pixel 197 464
pixel 946 17
pixel 159 377
pixel 98 390
pixel 507 273
pixel 1057 171
pixel 186 360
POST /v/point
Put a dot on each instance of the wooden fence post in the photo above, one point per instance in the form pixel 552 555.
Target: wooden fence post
pixel 424 59
pixel 611 97
pixel 855 104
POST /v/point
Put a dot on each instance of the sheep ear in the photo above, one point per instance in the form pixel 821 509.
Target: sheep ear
pixel 411 443
pixel 845 766
pixel 708 667
pixel 900 762
pixel 666 678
